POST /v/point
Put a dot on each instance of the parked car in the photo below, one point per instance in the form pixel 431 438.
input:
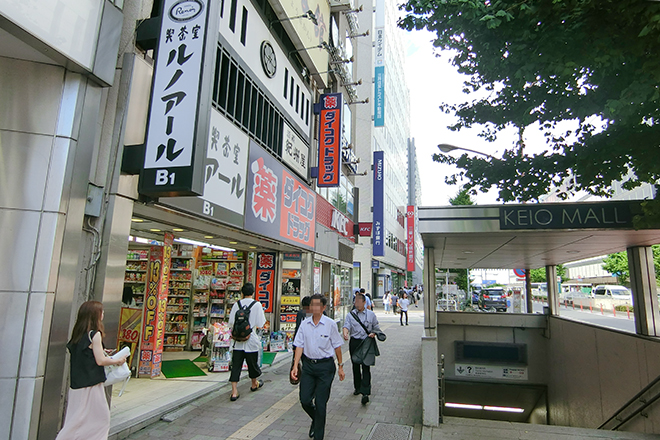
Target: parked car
pixel 577 297
pixel 493 298
pixel 612 292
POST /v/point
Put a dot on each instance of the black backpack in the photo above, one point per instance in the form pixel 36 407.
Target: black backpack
pixel 242 330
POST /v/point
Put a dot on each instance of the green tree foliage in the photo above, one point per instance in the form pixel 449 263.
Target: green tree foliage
pixel 617 264
pixel 538 63
pixel 538 275
pixel 461 279
pixel 462 198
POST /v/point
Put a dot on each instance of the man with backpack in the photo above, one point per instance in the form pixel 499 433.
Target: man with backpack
pixel 246 316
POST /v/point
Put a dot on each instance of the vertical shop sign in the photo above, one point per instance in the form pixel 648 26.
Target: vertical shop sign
pixel 266 280
pixel 294 151
pixel 317 280
pixel 279 205
pixel 379 65
pixel 155 305
pixel 130 324
pixel 378 228
pixel 180 99
pixel 251 260
pixel 410 238
pixel 330 140
pixel 337 291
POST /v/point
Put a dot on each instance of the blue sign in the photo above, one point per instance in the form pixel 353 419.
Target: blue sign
pixel 379 96
pixel 375 264
pixel 378 230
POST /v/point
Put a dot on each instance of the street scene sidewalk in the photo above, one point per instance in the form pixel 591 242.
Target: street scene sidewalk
pixel 274 412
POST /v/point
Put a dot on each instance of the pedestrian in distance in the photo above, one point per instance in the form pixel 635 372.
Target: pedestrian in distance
pixel 403 305
pixel 370 302
pixel 246 316
pixel 360 324
pixel 87 413
pixel 393 302
pixel 316 342
pixel 386 303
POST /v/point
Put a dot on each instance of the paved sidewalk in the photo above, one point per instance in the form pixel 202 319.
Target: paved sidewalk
pixel 274 412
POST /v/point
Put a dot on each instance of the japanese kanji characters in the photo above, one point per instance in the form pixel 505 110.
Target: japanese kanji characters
pixel 264 192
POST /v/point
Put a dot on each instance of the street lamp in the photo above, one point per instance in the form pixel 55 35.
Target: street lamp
pixel 446 148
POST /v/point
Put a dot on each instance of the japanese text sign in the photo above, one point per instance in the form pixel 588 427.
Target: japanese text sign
pixel 278 204
pixel 179 108
pixel 266 280
pixel 378 228
pixel 155 305
pixel 410 238
pixel 295 153
pixel 330 140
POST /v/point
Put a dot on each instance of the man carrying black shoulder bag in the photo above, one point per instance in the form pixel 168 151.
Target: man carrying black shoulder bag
pixel 361 326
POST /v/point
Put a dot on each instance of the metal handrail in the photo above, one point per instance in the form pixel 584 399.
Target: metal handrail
pixel 442 389
pixel 645 405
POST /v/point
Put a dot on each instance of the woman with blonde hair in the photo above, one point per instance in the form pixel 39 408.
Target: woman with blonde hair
pixel 88 414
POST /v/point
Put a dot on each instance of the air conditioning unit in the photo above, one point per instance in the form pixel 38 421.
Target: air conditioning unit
pixel 341 5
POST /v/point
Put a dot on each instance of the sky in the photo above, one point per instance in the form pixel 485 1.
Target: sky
pixel 432 80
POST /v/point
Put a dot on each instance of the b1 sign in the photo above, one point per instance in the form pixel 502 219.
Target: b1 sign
pixel 180 105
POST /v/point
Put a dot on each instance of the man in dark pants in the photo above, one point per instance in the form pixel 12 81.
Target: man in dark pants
pixel 353 329
pixel 316 341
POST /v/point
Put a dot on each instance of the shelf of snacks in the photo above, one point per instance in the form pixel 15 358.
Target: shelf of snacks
pixel 135 274
pixel 178 305
pixel 200 315
pixel 138 293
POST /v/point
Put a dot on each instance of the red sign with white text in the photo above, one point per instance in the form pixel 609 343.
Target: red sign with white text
pixel 330 140
pixel 330 217
pixel 411 238
pixel 266 280
pixel 365 229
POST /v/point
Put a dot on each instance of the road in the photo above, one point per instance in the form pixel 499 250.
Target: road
pixel 620 322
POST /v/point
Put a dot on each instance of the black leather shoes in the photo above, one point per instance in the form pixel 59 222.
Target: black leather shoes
pixel 365 400
pixel 356 392
pixel 311 430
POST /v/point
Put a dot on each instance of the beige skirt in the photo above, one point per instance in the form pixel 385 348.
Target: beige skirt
pixel 87 415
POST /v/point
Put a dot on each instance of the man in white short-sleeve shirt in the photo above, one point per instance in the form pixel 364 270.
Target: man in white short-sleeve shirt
pixel 247 350
pixel 403 305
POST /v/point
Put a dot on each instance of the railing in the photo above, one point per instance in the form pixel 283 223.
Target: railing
pixel 635 406
pixel 441 385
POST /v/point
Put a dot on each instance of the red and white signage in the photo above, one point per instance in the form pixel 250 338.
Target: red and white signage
pixel 330 217
pixel 330 140
pixel 365 229
pixel 411 238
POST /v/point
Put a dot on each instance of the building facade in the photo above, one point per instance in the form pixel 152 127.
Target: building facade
pixel 80 220
pixel 382 133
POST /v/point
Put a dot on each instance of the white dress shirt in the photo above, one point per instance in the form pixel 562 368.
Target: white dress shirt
pixel 318 341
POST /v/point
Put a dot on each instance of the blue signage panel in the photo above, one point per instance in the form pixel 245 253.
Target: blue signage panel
pixel 378 231
pixel 379 96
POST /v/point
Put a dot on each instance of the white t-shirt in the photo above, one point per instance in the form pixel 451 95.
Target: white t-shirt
pixel 257 319
pixel 404 303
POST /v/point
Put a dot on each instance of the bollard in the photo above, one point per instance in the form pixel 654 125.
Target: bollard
pixel 601 309
pixel 573 304
pixel 591 309
pixel 628 311
pixel 580 305
pixel 614 310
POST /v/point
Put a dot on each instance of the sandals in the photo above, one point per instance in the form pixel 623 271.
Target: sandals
pixel 261 383
pixel 234 398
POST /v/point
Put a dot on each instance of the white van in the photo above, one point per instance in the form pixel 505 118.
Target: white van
pixel 612 292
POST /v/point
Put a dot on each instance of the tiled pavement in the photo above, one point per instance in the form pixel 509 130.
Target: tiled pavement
pixel 274 412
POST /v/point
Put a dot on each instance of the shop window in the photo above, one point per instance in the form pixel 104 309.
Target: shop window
pixel 232 15
pixel 246 103
pixel 244 22
pixel 224 80
pixel 286 81
pixel 254 110
pixel 231 89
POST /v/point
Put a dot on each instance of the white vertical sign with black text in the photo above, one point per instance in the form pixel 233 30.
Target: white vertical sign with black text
pixel 295 152
pixel 180 100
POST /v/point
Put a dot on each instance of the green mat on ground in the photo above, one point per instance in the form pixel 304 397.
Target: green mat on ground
pixel 180 368
pixel 201 359
pixel 268 358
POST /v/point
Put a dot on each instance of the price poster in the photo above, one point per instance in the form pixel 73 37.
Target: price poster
pixel 289 307
pixel 130 324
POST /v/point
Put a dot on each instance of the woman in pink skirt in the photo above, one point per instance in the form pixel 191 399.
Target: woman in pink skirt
pixel 88 414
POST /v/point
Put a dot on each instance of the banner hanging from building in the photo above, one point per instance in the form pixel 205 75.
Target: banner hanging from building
pixel 378 228
pixel 155 307
pixel 278 204
pixel 379 65
pixel 180 100
pixel 330 140
pixel 410 238
pixel 266 280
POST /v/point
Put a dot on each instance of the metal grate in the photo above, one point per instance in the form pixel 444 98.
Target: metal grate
pixel 387 431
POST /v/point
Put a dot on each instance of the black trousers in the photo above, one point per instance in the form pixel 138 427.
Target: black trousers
pixel 315 382
pixel 252 361
pixel 402 312
pixel 361 373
